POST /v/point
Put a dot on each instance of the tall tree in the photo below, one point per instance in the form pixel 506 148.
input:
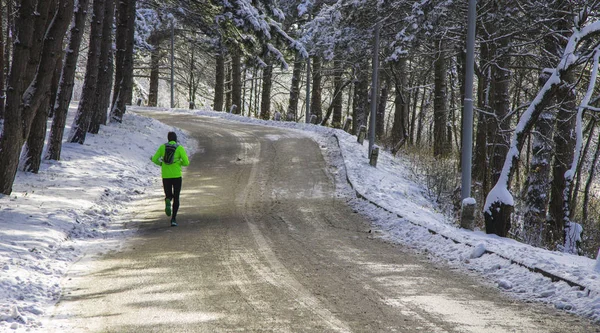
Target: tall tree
pixel 315 98
pixel 21 105
pixel 361 98
pixel 2 64
pixel 401 102
pixel 236 80
pixel 336 120
pixel 499 201
pixel 440 108
pixel 65 91
pixel 124 95
pixel 105 71
pixel 35 141
pixel 89 97
pixel 564 145
pixel 120 45
pixel 267 84
pixel 219 80
pixel 538 184
pixel 292 111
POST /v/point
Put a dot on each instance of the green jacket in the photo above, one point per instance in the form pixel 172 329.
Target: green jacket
pixel 171 170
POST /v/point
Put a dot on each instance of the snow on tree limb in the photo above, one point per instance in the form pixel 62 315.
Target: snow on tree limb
pixel 500 193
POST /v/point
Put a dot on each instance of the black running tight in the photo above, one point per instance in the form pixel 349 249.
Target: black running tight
pixel 172 188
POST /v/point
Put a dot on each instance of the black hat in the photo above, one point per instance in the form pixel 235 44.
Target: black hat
pixel 172 136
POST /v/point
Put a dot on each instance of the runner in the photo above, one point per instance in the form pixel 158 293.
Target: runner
pixel 171 157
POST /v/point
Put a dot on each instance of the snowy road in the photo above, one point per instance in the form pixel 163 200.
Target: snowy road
pixel 266 243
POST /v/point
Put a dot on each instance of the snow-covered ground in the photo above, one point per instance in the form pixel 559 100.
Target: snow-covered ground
pixel 82 204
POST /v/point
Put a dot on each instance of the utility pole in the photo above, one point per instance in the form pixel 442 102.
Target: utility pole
pixel 467 119
pixel 467 214
pixel 374 88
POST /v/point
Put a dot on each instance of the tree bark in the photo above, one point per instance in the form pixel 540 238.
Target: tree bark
pixel 55 84
pixel 227 85
pixel 89 96
pixel 154 75
pixel 380 119
pixel 401 104
pixel 65 91
pixel 292 111
pixel 440 108
pixel 219 82
pixel 2 65
pixel 316 92
pixel 34 143
pixel 484 91
pixel 336 120
pixel 588 184
pixel 236 81
pixel 500 130
pixel 538 179
pixel 104 85
pixel 265 103
pixel 126 89
pixel 564 145
pixel 21 107
pixel 120 46
pixel 361 98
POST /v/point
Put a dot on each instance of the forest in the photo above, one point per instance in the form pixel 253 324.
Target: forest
pixel 333 63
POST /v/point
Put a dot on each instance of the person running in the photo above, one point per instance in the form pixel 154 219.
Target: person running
pixel 171 157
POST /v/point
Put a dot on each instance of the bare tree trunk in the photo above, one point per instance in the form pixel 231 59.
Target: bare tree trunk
pixel 34 145
pixel 35 141
pixel 425 101
pixel 219 82
pixel 236 81
pixel 13 135
pixel 63 99
pixel 251 93
pixel 126 89
pixel 380 119
pixel 154 75
pixel 244 81
pixel 89 97
pixel 401 104
pixel 361 98
pixel 21 108
pixel 55 84
pixel 336 120
pixel 577 184
pixel 120 46
pixel 104 84
pixel 484 91
pixel 257 92
pixel 588 184
pixel 2 65
pixel 265 105
pixel 564 145
pixel 440 108
pixel 316 92
pixel 538 178
pixel 413 118
pixel 292 111
pixel 500 130
pixel 227 85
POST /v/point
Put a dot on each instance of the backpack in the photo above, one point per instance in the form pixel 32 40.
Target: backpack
pixel 170 149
